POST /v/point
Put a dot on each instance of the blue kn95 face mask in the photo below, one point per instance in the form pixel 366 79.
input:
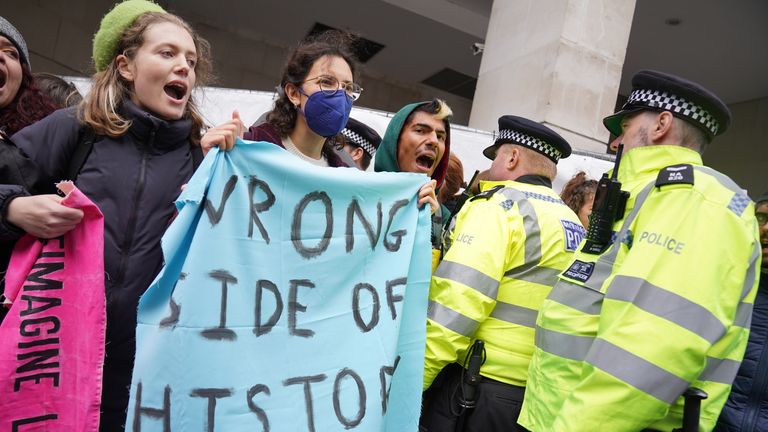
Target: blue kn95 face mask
pixel 326 114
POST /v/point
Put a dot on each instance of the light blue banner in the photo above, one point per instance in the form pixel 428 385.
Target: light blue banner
pixel 294 298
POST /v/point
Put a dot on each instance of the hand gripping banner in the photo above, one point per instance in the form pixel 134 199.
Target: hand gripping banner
pixel 294 298
pixel 52 340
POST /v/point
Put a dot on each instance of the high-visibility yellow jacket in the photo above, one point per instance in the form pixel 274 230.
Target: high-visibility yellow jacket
pixel 667 306
pixel 509 245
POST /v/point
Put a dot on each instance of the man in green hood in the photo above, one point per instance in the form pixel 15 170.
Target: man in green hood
pixel 418 140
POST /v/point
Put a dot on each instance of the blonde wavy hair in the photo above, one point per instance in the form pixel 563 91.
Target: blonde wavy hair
pixel 99 109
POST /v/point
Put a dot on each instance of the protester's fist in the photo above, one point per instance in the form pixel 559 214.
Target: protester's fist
pixel 427 195
pixel 224 135
pixel 43 216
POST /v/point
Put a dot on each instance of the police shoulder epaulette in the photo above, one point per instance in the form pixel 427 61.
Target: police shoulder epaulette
pixel 675 174
pixel 487 194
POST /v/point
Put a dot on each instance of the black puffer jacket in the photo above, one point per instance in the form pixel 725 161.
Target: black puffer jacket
pixel 747 407
pixel 134 180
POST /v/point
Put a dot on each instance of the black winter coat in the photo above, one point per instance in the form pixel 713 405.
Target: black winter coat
pixel 19 176
pixel 747 407
pixel 134 180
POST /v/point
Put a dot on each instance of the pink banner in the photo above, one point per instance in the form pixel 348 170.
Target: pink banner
pixel 52 341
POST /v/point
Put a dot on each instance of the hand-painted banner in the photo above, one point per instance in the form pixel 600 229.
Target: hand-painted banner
pixel 293 298
pixel 52 340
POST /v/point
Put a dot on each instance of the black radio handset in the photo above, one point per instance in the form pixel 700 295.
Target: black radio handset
pixel 609 206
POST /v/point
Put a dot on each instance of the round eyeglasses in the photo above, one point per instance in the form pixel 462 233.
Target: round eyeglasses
pixel 330 85
pixel 762 218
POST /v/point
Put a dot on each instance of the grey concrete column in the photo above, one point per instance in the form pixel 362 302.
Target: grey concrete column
pixel 557 62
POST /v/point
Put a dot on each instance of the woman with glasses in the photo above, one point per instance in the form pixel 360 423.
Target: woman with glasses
pixel 316 93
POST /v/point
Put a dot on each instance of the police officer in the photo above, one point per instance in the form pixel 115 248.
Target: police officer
pixel 510 243
pixel 360 142
pixel 666 306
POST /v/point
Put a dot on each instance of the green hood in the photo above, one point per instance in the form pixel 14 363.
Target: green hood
pixel 386 154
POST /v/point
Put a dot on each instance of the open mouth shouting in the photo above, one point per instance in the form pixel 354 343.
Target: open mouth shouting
pixel 177 91
pixel 3 78
pixel 425 160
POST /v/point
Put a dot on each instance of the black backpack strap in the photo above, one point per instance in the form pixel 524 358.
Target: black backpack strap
pixel 85 139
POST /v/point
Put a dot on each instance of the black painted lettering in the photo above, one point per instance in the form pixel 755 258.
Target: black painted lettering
pixel 294 306
pixel 45 304
pixel 214 215
pixel 37 360
pixel 37 378
pixel 171 320
pixel 373 237
pixel 24 327
pixel 383 373
pixel 361 398
pixel 259 207
pixel 41 269
pixel 59 238
pixel 264 328
pixel 16 424
pixel 322 245
pixel 393 298
pixel 361 324
pixel 260 413
pixel 221 332
pixel 306 381
pixel 399 234
pixel 39 342
pixel 153 413
pixel 211 394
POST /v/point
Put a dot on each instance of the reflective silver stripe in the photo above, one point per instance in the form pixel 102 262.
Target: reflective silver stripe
pixel 720 370
pixel 721 178
pixel 515 314
pixel 540 275
pixel 531 226
pixel 451 319
pixel 739 195
pixel 563 345
pixel 468 276
pixel 532 232
pixel 667 305
pixel 530 271
pixel 749 280
pixel 743 315
pixel 604 264
pixel 739 201
pixel 636 371
pixel 577 297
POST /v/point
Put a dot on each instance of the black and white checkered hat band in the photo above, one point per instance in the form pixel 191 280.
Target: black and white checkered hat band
pixel 669 102
pixel 360 141
pixel 524 139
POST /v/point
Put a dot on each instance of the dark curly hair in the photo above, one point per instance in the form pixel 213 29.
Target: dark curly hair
pixel 329 43
pixel 29 105
pixel 577 190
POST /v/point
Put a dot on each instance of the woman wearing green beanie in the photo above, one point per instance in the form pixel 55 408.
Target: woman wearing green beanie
pixel 147 144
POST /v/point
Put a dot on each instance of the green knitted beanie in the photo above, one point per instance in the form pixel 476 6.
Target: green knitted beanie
pixel 112 27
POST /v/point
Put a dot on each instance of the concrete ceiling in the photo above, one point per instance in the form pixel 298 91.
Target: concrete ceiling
pixel 721 44
pixel 415 47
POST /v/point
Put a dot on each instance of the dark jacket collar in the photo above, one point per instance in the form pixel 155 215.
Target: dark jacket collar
pixel 534 180
pixel 156 133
